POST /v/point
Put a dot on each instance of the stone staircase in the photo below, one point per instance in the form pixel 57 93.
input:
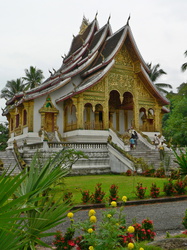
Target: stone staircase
pixel 9 162
pixel 151 156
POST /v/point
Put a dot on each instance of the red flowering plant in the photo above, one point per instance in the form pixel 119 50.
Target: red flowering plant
pixel 144 231
pixel 66 241
pixel 98 196
pixel 85 196
pixel 154 191
pixel 169 188
pixel 160 173
pixel 68 197
pixel 180 186
pixel 113 193
pixel 128 172
pixel 140 191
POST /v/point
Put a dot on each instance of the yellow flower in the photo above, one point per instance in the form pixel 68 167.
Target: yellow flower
pixel 93 218
pixel 130 245
pixel 141 248
pixel 124 198
pixel 109 215
pixel 90 230
pixel 91 248
pixel 117 224
pixel 130 229
pixel 70 215
pixel 92 212
pixel 113 203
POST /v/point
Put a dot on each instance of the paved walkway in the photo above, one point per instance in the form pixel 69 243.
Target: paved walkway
pixel 166 216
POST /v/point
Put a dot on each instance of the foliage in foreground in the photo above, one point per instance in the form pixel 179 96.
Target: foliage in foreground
pixel 25 219
pixel 109 233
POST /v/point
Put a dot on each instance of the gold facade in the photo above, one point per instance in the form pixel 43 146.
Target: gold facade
pixel 121 95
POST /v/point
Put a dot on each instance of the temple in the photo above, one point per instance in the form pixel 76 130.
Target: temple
pixel 101 86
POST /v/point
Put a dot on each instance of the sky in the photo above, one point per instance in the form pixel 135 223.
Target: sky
pixel 38 32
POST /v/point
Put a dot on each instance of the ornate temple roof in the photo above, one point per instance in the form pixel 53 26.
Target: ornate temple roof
pixel 91 56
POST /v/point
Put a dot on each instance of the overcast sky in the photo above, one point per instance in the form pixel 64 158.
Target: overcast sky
pixel 38 32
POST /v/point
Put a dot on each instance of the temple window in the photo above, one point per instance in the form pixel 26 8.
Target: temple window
pixel 24 117
pixel 17 120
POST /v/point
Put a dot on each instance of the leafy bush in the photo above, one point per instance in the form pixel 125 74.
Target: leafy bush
pixel 179 186
pixel 113 193
pixel 154 191
pixel 140 191
pixel 169 188
pixel 85 196
pixel 98 196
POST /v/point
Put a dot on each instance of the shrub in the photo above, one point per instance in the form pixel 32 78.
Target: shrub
pixel 128 172
pixel 109 233
pixel 98 196
pixel 160 173
pixel 140 191
pixel 85 196
pixel 149 172
pixel 68 197
pixel 169 188
pixel 154 191
pixel 145 231
pixel 184 220
pixel 175 174
pixel 113 193
pixel 180 186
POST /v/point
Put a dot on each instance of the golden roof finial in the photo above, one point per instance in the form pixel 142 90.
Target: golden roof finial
pixel 84 25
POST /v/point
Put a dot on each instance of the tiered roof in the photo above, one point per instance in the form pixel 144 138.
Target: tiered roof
pixel 90 57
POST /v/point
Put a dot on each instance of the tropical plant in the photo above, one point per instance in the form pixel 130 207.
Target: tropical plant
pixel 12 87
pixel 33 77
pixel 154 74
pixel 181 160
pixel 184 65
pixel 25 219
pixel 3 136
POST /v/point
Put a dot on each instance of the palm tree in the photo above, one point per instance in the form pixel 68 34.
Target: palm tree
pixel 33 77
pixel 12 87
pixel 154 74
pixel 184 66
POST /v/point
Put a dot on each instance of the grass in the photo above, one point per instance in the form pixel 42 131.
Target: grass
pixel 126 185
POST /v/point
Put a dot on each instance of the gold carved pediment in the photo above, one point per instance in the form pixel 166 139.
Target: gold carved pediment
pixel 120 82
pixel 123 58
pixel 48 106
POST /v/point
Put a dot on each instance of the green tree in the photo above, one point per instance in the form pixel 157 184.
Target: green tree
pixel 184 65
pixel 182 89
pixel 33 77
pixel 156 73
pixel 175 126
pixel 3 136
pixel 12 87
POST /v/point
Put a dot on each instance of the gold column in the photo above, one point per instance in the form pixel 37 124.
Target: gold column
pixel 117 119
pixel 30 112
pixel 80 113
pixel 157 119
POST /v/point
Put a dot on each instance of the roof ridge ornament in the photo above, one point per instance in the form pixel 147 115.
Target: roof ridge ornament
pixel 128 19
pixel 109 19
pixel 96 15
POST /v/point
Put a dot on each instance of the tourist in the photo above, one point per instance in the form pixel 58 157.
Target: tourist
pixel 156 141
pixel 161 151
pixel 132 143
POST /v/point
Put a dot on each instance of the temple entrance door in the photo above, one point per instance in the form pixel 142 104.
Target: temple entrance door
pixel 49 122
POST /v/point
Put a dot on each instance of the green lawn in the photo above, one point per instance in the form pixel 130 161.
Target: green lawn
pixel 126 184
